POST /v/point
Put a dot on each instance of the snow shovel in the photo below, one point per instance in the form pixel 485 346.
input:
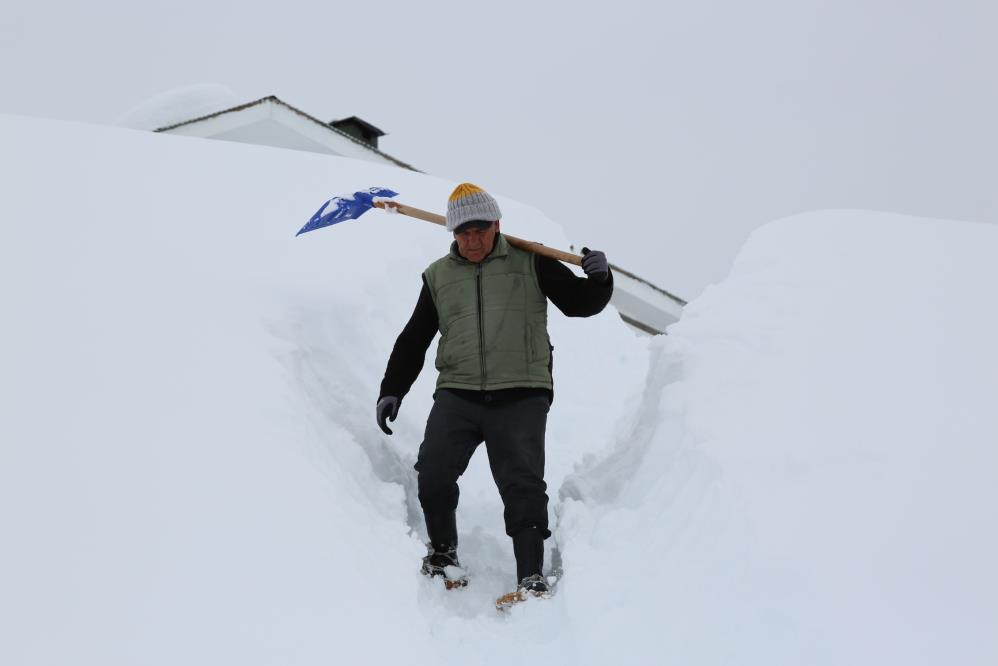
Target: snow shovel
pixel 339 209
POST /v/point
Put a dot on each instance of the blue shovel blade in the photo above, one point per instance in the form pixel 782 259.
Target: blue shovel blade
pixel 339 209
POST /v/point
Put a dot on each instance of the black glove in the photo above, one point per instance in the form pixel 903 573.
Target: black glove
pixel 595 265
pixel 388 409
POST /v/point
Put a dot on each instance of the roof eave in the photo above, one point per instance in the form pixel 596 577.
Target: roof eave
pixel 276 100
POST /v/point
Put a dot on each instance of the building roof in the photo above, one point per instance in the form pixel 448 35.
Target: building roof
pixel 665 293
pixel 275 100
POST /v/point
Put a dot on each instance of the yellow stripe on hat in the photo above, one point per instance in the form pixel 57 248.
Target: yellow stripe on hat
pixel 464 190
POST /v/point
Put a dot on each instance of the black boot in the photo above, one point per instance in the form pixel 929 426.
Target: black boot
pixel 444 563
pixel 441 557
pixel 441 528
pixel 536 584
pixel 528 548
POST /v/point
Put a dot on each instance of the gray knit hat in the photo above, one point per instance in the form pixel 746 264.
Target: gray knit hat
pixel 470 202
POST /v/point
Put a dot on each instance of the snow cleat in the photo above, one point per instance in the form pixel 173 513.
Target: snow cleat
pixel 531 587
pixel 444 563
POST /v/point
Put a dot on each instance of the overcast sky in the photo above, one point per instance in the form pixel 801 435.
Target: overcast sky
pixel 660 132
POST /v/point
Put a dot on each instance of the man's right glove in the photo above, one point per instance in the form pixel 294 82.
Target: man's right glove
pixel 388 409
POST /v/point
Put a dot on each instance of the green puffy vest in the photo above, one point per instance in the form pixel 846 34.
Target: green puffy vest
pixel 493 320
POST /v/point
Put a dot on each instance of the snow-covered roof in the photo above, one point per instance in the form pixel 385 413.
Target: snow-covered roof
pixel 272 121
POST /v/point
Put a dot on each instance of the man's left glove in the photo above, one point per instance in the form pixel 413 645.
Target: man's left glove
pixel 388 409
pixel 595 265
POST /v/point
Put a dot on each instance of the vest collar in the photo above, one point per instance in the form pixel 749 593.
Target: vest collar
pixel 500 248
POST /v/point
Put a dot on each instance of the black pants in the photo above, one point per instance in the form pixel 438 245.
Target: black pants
pixel 513 432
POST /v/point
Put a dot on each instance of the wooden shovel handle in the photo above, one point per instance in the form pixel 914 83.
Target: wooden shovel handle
pixel 529 246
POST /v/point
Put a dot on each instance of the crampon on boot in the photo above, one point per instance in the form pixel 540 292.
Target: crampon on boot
pixel 444 563
pixel 535 586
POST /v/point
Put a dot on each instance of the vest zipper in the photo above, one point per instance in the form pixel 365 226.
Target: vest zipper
pixel 481 326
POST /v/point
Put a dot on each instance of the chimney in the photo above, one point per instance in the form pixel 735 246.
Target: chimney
pixel 359 129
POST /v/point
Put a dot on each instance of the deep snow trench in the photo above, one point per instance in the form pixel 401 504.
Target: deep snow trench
pixel 803 471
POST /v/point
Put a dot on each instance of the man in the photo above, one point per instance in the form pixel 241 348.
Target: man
pixel 489 302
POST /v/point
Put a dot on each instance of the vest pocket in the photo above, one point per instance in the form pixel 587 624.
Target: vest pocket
pixel 441 360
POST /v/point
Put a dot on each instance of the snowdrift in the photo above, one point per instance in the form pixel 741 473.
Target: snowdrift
pixel 810 476
pixel 802 472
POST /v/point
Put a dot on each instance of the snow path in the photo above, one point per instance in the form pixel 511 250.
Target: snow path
pixel 803 471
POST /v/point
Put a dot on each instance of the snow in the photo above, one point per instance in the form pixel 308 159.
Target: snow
pixel 820 465
pixel 803 471
pixel 179 105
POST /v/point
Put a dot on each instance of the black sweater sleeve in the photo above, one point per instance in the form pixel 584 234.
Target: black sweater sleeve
pixel 409 353
pixel 574 296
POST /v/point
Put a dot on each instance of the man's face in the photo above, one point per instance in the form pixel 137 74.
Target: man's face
pixel 475 243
